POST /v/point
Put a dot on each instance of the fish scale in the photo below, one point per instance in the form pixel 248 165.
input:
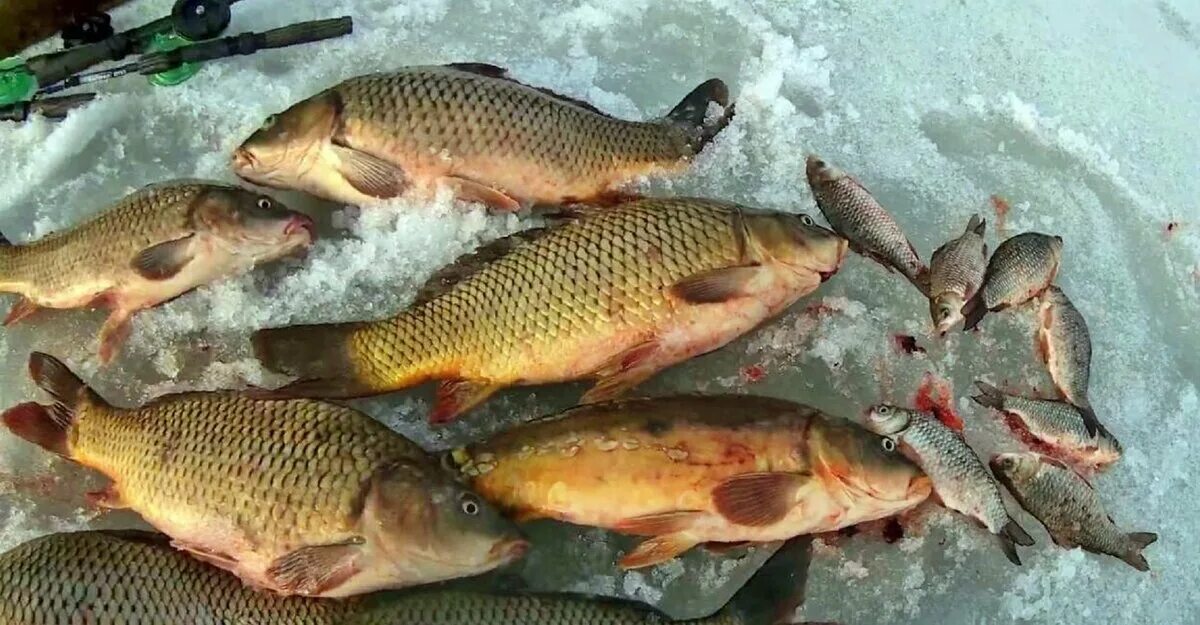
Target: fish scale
pixel 958 266
pixel 1067 346
pixel 1055 423
pixel 167 454
pixel 1020 268
pixel 133 578
pixel 515 305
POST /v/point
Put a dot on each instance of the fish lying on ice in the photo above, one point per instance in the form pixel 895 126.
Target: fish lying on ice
pixel 955 274
pixel 1019 270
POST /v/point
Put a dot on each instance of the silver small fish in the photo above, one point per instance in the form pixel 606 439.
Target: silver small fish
pixel 960 478
pixel 1057 424
pixel 1066 348
pixel 955 273
pixel 1068 507
pixel 859 218
pixel 1020 269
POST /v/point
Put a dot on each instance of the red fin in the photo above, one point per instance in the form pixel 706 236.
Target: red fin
pixel 109 498
pixel 472 191
pixel 21 310
pixel 657 524
pixel 726 548
pixel 113 334
pixel 314 570
pixel 34 423
pixel 657 550
pixel 219 560
pixel 758 499
pixel 622 372
pixel 454 397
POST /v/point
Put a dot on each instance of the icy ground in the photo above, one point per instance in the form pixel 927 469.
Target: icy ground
pixel 1081 117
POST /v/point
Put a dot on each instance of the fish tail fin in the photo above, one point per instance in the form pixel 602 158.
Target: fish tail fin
pixel 691 114
pixel 317 354
pixel 977 224
pixel 777 588
pixel 54 377
pixel 973 311
pixel 1139 541
pixel 1090 421
pixel 37 424
pixel 1016 533
pixel 989 396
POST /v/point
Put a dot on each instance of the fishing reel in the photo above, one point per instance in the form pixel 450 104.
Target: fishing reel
pixel 172 48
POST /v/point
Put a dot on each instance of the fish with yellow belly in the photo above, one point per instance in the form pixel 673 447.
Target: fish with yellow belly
pixel 473 128
pixel 614 294
pixel 693 469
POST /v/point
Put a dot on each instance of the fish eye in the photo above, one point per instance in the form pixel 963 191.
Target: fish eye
pixel 889 445
pixel 264 203
pixel 806 220
pixel 469 504
pixel 884 410
pixel 270 121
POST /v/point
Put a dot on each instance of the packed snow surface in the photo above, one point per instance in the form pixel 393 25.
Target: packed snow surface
pixel 1071 118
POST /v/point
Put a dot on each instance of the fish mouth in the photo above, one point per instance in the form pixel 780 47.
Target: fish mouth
pixel 300 223
pixel 826 275
pixel 243 161
pixel 509 550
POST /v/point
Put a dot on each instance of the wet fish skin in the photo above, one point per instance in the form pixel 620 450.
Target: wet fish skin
pixel 690 469
pixel 1020 269
pixel 856 215
pixel 1068 507
pixel 297 497
pixel 135 578
pixel 473 128
pixel 959 477
pixel 150 247
pixel 614 294
pixel 1066 348
pixel 1055 423
pixel 955 274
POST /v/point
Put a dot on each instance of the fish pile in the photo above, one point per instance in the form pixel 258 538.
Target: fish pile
pixel 305 501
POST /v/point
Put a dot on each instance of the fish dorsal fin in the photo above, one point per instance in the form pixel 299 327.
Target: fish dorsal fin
pixel 494 71
pixel 470 263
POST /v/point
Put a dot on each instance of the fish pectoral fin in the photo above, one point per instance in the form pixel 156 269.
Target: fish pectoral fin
pixel 723 549
pixel 658 550
pixel 471 191
pixel 108 498
pixel 22 309
pixel 657 524
pixel 623 371
pixel 114 333
pixel 315 570
pixel 758 499
pixel 718 285
pixel 368 174
pixel 164 260
pixel 454 397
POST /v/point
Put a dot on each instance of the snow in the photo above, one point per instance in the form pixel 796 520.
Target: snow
pixel 1085 127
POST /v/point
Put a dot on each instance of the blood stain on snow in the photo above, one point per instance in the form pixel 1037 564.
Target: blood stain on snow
pixel 907 344
pixel 1001 207
pixel 1172 228
pixel 753 374
pixel 936 395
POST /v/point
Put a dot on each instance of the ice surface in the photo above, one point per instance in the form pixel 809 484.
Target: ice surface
pixel 1080 117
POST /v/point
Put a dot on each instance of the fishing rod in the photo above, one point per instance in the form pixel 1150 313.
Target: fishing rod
pixel 172 49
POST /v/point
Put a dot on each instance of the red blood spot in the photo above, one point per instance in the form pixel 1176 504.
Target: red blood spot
pixel 753 374
pixel 1172 228
pixel 907 344
pixel 935 395
pixel 1001 206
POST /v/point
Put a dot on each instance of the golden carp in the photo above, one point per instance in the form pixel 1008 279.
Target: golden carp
pixel 154 245
pixel 855 214
pixel 1066 348
pixel 693 469
pixel 298 497
pixel 955 273
pixel 474 128
pixel 1068 507
pixel 960 478
pixel 1055 424
pixel 614 294
pixel 1018 271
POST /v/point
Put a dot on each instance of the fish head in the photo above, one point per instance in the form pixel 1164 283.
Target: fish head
pixel 288 144
pixel 1015 468
pixel 425 516
pixel 946 311
pixel 251 224
pixel 821 173
pixel 888 420
pixel 797 242
pixel 868 465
